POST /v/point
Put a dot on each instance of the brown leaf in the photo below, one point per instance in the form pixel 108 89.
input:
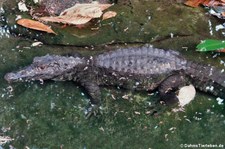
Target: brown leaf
pixel 108 15
pixel 35 25
pixel 214 3
pixel 93 10
pixel 223 50
pixel 194 3
pixel 79 14
pixel 223 14
pixel 75 20
pixel 207 2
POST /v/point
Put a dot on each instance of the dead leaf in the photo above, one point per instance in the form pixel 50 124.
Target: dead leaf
pixel 35 25
pixel 214 3
pixel 93 10
pixel 35 44
pixel 223 14
pixel 217 7
pixel 108 15
pixel 223 50
pixel 79 14
pixel 75 20
pixel 194 3
pixel 209 3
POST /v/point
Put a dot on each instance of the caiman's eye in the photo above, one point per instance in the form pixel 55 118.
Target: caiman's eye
pixel 42 67
pixel 23 72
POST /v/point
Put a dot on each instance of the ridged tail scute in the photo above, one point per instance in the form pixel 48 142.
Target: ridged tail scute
pixel 207 78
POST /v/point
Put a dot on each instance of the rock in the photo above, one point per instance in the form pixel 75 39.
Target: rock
pixel 186 95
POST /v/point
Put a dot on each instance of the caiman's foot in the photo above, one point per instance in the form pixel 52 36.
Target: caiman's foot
pixel 169 99
pixel 163 105
pixel 92 109
pixel 155 109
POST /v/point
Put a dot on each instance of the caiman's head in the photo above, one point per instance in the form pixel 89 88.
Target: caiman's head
pixel 45 67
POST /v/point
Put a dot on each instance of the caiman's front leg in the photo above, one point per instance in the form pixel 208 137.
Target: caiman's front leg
pixel 93 91
pixel 169 86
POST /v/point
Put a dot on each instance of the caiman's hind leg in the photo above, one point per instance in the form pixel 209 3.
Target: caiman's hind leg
pixel 168 88
pixel 93 91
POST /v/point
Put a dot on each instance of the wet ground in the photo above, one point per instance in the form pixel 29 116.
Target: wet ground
pixel 51 115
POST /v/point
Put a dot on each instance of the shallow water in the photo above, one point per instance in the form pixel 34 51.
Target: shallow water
pixel 51 115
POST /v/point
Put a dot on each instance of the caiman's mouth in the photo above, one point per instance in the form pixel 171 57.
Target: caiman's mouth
pixel 11 77
pixel 30 73
pixel 24 74
pixel 44 68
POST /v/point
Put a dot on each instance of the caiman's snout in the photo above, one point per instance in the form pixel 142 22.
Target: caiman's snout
pixel 10 77
pixel 44 68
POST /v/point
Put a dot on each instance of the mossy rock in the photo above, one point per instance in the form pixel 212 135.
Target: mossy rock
pixel 149 21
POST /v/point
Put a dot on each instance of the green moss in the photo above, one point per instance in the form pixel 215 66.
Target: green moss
pixel 142 21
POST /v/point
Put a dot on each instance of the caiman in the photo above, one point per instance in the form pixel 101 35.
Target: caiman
pixel 144 68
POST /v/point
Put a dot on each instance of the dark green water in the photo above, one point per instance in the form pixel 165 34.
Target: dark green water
pixel 51 115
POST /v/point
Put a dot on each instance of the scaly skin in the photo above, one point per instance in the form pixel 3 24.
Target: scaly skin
pixel 144 68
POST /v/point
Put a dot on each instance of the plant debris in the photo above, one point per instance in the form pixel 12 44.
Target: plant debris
pixel 79 14
pixel 35 25
pixel 22 6
pixel 217 7
pixel 108 15
pixel 209 3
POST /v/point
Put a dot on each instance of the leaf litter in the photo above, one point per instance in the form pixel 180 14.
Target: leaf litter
pixel 217 7
pixel 79 14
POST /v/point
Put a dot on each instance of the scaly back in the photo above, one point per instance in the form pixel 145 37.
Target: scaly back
pixel 143 60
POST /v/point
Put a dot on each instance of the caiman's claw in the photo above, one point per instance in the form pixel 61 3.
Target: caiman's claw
pixel 91 110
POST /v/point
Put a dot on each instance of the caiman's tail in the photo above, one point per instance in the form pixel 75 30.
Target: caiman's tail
pixel 207 78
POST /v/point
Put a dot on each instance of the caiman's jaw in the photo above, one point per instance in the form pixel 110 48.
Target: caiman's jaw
pixel 30 73
pixel 24 74
pixel 45 67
